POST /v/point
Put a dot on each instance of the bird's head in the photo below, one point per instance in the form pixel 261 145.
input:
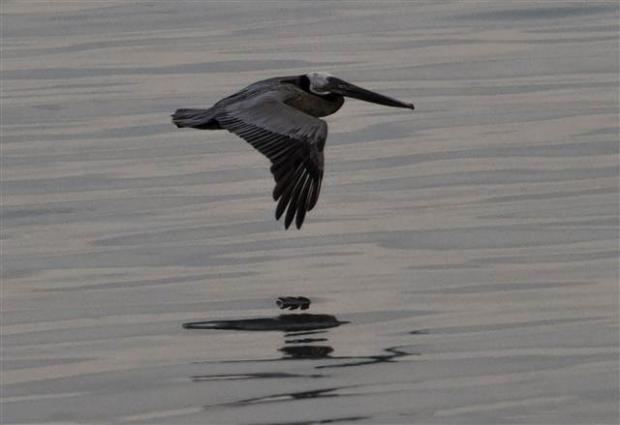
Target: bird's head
pixel 321 83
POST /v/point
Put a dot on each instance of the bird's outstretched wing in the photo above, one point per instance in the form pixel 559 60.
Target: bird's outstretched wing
pixel 292 140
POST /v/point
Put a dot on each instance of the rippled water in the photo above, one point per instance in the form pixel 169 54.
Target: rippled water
pixel 468 250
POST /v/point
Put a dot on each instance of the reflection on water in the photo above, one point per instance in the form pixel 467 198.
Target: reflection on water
pixel 307 352
pixel 324 392
pixel 284 322
pixel 488 216
pixel 296 325
pixel 299 344
pixel 304 340
pixel 352 419
pixel 393 353
pixel 249 376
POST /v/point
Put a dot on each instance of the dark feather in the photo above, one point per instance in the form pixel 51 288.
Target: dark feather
pixel 316 190
pixel 284 181
pixel 293 141
pixel 292 208
pixel 303 201
pixel 288 193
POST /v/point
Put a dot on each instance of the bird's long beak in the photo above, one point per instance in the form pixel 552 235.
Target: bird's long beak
pixel 351 90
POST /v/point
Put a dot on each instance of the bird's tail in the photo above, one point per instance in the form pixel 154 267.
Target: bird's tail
pixel 195 118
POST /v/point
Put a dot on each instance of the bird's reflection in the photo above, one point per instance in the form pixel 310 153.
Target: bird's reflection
pixel 250 376
pixel 306 351
pixel 393 353
pixel 300 342
pixel 305 338
pixel 295 326
pixel 284 322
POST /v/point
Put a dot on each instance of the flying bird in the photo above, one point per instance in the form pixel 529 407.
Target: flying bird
pixel 279 117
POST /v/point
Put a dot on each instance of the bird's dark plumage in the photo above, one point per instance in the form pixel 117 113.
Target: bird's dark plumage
pixel 278 117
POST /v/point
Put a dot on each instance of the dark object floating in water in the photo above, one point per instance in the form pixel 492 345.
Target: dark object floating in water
pixel 279 117
pixel 284 322
pixel 293 303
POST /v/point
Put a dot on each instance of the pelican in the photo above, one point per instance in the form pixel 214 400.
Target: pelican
pixel 279 117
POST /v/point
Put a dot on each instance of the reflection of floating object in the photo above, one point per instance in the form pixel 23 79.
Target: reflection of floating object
pixel 304 340
pixel 293 303
pixel 284 322
pixel 306 351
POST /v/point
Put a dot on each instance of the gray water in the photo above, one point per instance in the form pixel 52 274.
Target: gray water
pixel 472 245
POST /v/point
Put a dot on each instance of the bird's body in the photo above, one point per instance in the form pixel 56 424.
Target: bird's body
pixel 279 117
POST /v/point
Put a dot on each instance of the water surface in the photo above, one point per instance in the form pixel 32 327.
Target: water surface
pixel 471 246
